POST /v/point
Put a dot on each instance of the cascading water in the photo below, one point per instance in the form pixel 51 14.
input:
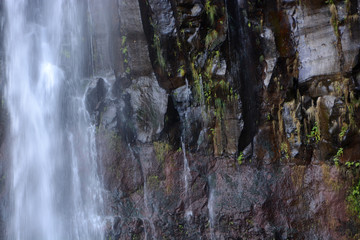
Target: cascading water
pixel 187 173
pixel 210 206
pixel 183 98
pixel 55 189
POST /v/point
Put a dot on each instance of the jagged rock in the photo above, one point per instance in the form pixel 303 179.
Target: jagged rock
pixel 95 95
pixel 320 52
pixel 163 16
pixel 196 10
pixel 270 54
pixel 133 36
pixel 109 117
pixel 149 102
pixel 288 116
pixel 286 70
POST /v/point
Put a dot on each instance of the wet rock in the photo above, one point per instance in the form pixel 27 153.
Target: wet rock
pixel 287 73
pixel 95 95
pixel 163 16
pixel 149 103
pixel 196 10
pixel 109 117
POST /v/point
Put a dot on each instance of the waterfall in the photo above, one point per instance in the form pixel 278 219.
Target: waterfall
pixel 55 189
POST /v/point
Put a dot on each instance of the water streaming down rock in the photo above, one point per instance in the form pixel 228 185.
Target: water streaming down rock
pixel 55 188
pixel 182 96
pixel 187 179
pixel 210 205
pixel 187 173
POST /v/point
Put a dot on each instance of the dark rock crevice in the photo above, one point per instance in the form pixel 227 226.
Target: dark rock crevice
pixel 244 70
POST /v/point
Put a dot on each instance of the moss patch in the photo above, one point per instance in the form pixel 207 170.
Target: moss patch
pixel 161 150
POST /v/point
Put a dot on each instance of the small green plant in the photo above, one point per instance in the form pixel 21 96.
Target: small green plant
pixel 123 40
pixel 181 228
pixel 343 132
pixel 334 20
pixel 352 164
pixel 125 54
pixel 315 133
pixel 178 43
pixel 353 200
pixel 240 158
pixel 127 71
pixel 181 71
pixel 338 156
pixel 285 149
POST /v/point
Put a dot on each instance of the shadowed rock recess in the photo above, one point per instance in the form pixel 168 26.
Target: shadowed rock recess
pixel 225 119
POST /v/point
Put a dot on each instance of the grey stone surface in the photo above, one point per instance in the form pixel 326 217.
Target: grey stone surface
pixel 149 103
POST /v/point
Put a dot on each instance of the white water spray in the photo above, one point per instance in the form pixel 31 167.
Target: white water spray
pixel 55 189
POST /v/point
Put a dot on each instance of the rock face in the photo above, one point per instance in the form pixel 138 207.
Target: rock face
pixel 225 119
pixel 229 119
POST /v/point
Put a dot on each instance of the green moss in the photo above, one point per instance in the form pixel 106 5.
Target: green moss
pixel 124 50
pixel 125 54
pixel 338 156
pixel 153 181
pixel 334 20
pixel 285 149
pixel 352 108
pixel 115 141
pixel 210 11
pixel 161 150
pixel 181 71
pixel 210 38
pixel 123 40
pixel 135 237
pixel 329 179
pixel 157 46
pixel 127 71
pixel 159 54
pixel 261 59
pixel 219 108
